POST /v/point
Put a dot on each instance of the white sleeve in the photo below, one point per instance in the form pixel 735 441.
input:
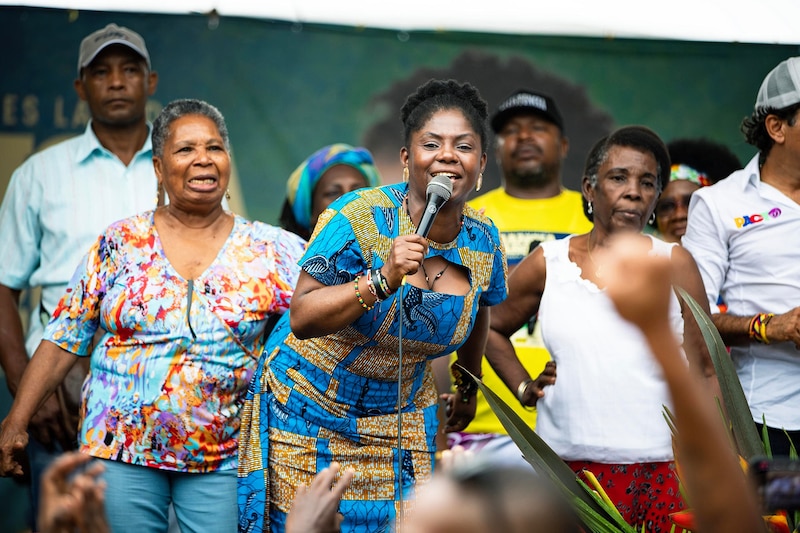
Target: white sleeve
pixel 708 244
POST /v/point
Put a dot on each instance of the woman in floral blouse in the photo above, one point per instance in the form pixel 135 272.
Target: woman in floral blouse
pixel 180 297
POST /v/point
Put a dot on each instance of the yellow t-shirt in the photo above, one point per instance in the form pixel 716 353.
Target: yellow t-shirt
pixel 522 223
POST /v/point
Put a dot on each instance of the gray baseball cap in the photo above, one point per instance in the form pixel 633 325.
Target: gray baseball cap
pixel 781 87
pixel 94 43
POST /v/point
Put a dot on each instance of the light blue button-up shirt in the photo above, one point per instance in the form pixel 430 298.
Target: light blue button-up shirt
pixel 57 203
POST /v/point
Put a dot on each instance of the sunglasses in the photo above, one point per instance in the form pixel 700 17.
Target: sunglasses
pixel 668 206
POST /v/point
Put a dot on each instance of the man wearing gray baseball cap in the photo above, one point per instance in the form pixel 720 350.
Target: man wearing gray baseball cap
pixel 56 204
pixel 112 34
pixel 744 233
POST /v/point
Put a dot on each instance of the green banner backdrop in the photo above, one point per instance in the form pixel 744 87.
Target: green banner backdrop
pixel 287 89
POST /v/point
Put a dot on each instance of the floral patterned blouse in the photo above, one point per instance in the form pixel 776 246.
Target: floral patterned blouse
pixel 169 373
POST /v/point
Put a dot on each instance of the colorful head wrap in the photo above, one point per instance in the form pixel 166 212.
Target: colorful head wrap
pixel 300 187
pixel 684 172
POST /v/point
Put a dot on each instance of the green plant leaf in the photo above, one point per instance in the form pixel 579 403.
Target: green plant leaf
pixel 738 411
pixel 765 437
pixel 792 449
pixel 729 429
pixel 592 511
pixel 670 418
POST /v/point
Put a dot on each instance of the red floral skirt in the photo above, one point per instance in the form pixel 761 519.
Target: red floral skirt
pixel 644 493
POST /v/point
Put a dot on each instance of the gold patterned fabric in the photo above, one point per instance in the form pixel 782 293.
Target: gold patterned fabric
pixel 334 398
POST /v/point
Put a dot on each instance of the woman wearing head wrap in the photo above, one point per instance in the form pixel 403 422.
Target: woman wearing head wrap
pixel 696 163
pixel 673 204
pixel 327 174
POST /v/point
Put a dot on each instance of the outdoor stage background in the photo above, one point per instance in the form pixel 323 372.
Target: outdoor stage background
pixel 287 89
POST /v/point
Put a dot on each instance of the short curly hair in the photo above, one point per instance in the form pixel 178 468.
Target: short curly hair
pixel 437 95
pixel 755 130
pixel 640 137
pixel 181 108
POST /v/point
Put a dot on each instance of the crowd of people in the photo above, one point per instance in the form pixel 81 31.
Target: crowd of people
pixel 191 370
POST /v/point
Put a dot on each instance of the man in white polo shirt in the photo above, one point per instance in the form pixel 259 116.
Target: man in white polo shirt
pixel 744 233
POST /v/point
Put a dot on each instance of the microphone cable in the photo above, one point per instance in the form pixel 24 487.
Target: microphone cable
pixel 399 473
pixel 437 193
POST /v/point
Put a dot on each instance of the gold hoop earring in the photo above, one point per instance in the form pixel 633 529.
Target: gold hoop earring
pixel 480 182
pixel 405 174
pixel 160 195
pixel 227 194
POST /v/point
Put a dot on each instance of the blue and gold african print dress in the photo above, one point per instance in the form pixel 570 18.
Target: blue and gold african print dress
pixel 334 398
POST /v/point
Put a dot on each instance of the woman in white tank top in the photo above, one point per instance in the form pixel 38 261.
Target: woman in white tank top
pixel 604 410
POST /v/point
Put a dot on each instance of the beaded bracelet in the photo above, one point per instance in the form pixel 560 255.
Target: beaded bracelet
pixel 758 327
pixel 360 299
pixel 464 383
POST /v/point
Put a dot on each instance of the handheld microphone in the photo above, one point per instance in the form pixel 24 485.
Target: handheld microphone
pixel 438 192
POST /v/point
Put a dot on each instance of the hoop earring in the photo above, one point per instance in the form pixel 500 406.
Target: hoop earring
pixel 405 174
pixel 589 209
pixel 653 218
pixel 227 194
pixel 480 182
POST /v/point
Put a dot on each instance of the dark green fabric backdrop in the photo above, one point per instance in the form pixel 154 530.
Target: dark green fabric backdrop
pixel 288 89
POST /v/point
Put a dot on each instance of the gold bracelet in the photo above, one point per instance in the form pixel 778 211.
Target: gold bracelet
pixel 464 383
pixel 521 390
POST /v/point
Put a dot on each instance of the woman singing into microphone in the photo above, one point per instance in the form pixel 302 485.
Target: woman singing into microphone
pixel 326 388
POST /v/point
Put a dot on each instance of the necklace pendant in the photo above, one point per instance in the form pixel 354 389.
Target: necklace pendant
pixel 435 278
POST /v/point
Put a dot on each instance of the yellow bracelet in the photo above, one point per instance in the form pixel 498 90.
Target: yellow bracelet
pixel 763 326
pixel 757 328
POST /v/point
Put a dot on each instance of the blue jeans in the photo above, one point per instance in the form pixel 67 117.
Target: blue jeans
pixel 39 458
pixel 138 498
